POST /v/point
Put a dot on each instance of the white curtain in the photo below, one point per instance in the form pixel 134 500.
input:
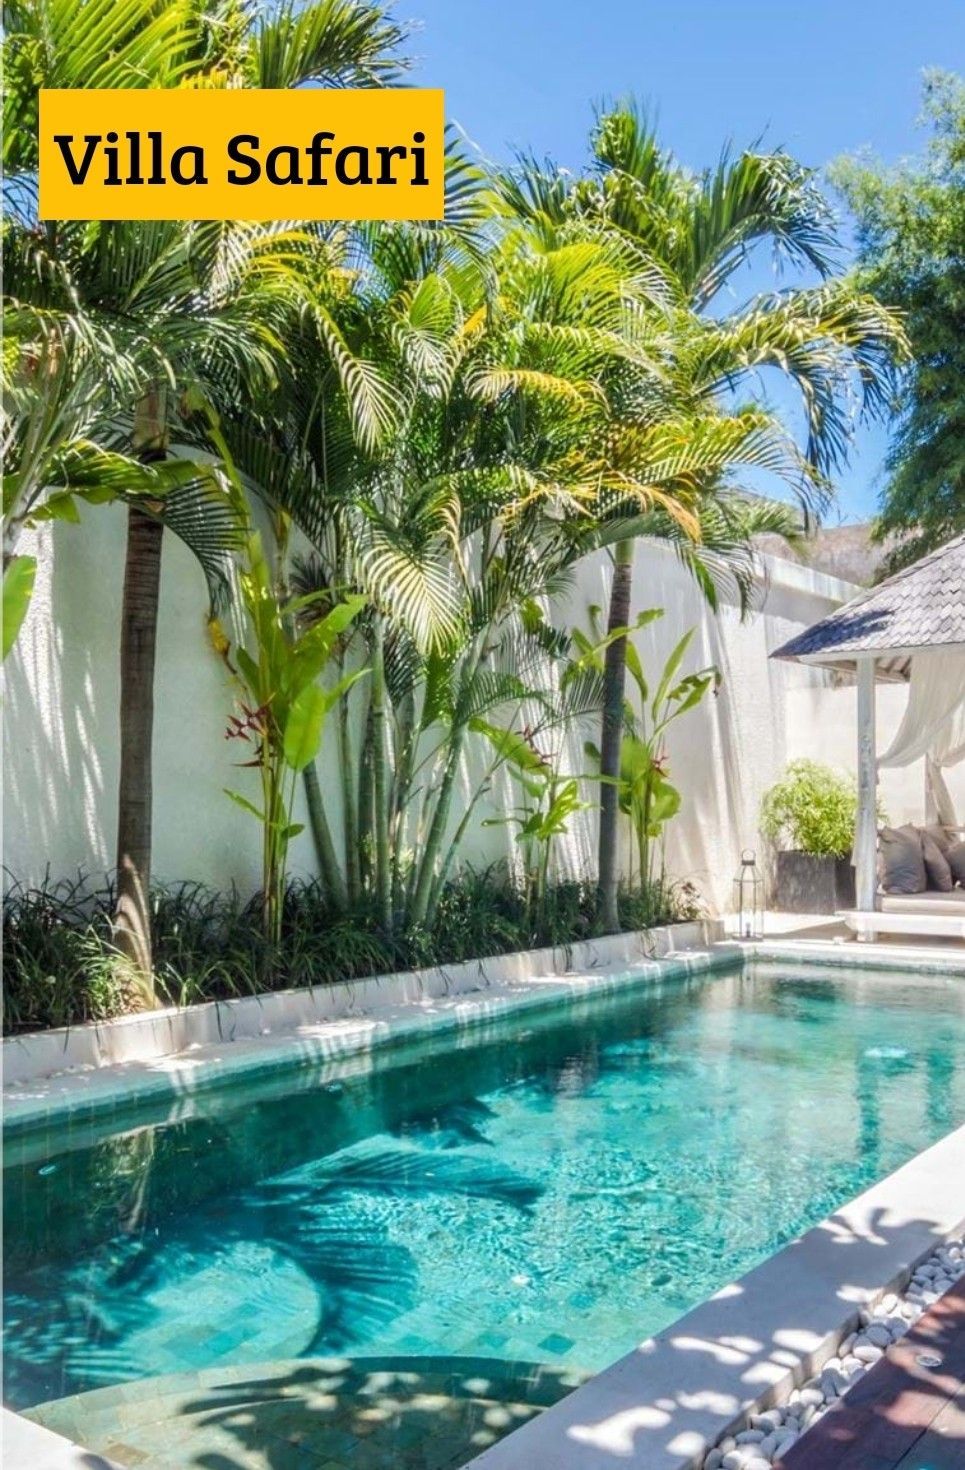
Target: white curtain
pixel 934 721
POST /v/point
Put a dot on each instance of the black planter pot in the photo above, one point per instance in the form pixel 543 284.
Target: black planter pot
pixel 812 885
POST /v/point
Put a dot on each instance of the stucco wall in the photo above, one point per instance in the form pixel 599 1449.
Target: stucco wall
pixel 60 718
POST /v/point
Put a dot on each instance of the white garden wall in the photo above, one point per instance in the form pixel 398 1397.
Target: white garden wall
pixel 60 719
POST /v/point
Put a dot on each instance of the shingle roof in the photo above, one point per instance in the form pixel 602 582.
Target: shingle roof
pixel 920 607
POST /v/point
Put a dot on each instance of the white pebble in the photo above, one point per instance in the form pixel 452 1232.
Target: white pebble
pixel 772 1432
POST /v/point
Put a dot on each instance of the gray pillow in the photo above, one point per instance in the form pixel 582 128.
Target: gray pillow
pixel 956 861
pixel 901 866
pixel 936 864
pixel 940 837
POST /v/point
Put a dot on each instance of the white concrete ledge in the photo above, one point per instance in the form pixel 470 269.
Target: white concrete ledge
pixel 175 1053
pixel 912 959
pixel 665 1404
pixel 165 1032
pixel 28 1446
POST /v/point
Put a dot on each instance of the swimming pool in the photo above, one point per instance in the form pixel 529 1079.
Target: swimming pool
pixel 549 1189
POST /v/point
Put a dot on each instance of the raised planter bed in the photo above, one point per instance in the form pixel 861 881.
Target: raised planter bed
pixel 154 1035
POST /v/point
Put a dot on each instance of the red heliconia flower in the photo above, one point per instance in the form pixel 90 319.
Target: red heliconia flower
pixel 255 723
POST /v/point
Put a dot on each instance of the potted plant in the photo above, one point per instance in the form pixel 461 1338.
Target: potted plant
pixel 809 816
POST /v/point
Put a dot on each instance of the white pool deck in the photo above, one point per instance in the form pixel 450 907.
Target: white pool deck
pixel 662 1405
pixel 28 1446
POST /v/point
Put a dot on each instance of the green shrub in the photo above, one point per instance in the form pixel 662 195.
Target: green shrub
pixel 811 809
pixel 60 967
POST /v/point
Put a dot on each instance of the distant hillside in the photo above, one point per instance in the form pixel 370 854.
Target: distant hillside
pixel 840 551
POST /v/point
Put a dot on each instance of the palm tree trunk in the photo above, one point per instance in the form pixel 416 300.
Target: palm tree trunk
pixel 139 614
pixel 331 873
pixel 380 780
pixel 611 740
pixel 422 892
pixel 350 820
pixel 437 829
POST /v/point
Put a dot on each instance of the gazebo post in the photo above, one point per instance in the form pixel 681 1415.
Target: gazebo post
pixel 866 833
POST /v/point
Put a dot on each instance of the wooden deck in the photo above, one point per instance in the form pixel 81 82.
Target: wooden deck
pixel 904 1414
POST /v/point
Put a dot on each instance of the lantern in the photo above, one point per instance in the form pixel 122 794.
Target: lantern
pixel 749 899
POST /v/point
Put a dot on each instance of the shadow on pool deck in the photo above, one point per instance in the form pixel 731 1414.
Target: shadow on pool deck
pixel 363 1414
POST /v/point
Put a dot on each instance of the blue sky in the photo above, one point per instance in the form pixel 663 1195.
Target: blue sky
pixel 819 79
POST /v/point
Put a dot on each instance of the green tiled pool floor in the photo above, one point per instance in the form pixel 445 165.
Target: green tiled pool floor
pixel 362 1414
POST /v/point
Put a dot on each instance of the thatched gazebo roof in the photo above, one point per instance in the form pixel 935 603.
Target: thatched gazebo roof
pixel 919 608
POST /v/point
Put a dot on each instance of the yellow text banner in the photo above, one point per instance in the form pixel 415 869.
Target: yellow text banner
pixel 242 154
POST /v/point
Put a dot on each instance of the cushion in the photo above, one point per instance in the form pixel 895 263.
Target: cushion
pixel 900 862
pixel 956 861
pixel 936 864
pixel 940 837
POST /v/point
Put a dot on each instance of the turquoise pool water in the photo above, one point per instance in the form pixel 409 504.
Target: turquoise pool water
pixel 551 1188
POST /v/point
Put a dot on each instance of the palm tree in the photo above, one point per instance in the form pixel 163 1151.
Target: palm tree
pixel 196 306
pixel 452 440
pixel 830 341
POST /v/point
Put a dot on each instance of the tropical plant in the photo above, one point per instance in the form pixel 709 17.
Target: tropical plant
pixel 476 442
pixel 18 584
pixel 645 794
pixel 911 223
pixel 62 379
pixel 691 234
pixel 446 477
pixel 811 809
pixel 183 305
pixel 549 800
pixel 60 963
pixel 283 709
